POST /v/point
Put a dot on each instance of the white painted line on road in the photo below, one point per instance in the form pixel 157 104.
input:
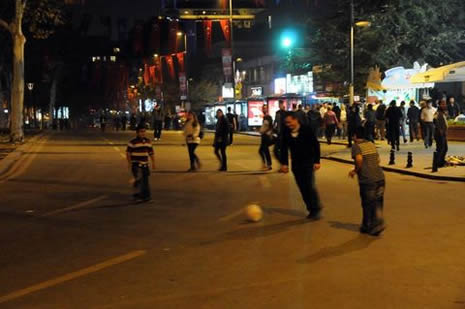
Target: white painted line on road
pixel 77 206
pixel 71 276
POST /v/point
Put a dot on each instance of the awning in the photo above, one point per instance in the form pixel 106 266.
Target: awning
pixel 445 74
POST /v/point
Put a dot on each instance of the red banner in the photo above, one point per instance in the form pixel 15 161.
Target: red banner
pixel 146 75
pixel 207 28
pixel 170 64
pixel 180 57
pixel 158 71
pixel 173 36
pixel 153 77
pixel 226 31
pixel 227 64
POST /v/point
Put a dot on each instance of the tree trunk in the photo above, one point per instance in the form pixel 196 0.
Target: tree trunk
pixel 17 93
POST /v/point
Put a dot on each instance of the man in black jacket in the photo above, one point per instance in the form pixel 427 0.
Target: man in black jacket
pixel 279 128
pixel 305 155
pixel 221 139
pixel 393 117
pixel 413 115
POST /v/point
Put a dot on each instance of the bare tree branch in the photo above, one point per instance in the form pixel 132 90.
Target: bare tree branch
pixel 5 25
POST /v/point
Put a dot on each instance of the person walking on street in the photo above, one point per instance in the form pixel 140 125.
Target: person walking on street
pixel 138 153
pixel 192 136
pixel 453 108
pixel 103 122
pixel 413 116
pixel 427 117
pixel 266 132
pixel 354 121
pixel 314 119
pixel 370 122
pixel 232 125
pixel 124 121
pixel 337 111
pixel 331 122
pixel 221 140
pixel 440 133
pixel 343 122
pixel 393 117
pixel 371 182
pixel 403 121
pixel 305 156
pixel 301 115
pixel 381 121
pixel 157 121
pixel 280 128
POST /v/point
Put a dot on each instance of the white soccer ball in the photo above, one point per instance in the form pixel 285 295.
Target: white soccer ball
pixel 254 213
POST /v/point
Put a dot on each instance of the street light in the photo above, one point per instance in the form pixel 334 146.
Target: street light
pixel 358 24
pixel 180 34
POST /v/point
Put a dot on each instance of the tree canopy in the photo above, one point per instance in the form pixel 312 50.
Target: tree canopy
pixel 401 32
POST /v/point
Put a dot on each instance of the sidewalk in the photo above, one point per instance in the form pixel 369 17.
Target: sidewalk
pixel 422 158
pixel 8 155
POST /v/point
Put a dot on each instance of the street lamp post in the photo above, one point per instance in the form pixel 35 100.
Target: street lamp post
pixel 30 87
pixel 352 34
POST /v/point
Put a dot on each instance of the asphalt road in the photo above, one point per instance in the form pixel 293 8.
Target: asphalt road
pixel 71 237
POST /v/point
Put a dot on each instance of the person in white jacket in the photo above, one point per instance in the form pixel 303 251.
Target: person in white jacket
pixel 192 136
pixel 427 118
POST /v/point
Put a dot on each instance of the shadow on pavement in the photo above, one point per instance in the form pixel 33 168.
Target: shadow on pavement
pixel 344 226
pixel 287 212
pixel 356 244
pixel 256 230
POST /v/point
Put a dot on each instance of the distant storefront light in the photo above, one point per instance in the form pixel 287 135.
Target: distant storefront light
pixel 280 85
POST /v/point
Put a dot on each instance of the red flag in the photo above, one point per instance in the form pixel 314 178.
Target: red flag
pixel 226 30
pixel 173 36
pixel 224 4
pixel 207 27
pixel 153 78
pixel 180 57
pixel 158 71
pixel 146 75
pixel 170 64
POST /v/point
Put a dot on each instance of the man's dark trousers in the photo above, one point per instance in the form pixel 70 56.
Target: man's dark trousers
pixel 429 133
pixel 305 179
pixel 141 173
pixel 441 148
pixel 157 127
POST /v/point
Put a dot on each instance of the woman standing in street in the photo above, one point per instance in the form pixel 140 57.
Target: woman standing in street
pixel 331 122
pixel 192 135
pixel 343 122
pixel 221 140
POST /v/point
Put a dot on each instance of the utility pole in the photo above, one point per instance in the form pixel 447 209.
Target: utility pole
pixel 351 86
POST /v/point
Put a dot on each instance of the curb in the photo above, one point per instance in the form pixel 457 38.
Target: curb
pixel 404 172
pixel 13 157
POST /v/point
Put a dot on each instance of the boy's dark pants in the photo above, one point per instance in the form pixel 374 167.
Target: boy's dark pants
pixel 141 173
pixel 372 196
